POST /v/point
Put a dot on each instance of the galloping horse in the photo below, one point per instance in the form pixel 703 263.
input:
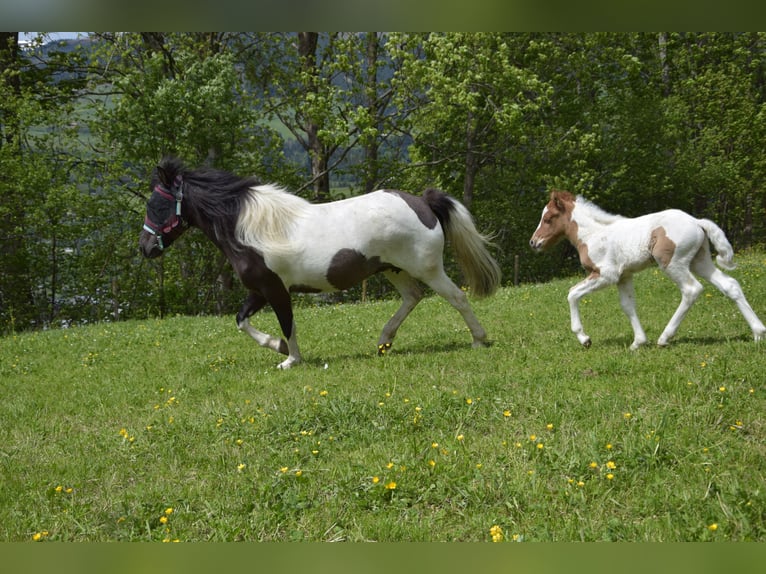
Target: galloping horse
pixel 612 248
pixel 279 243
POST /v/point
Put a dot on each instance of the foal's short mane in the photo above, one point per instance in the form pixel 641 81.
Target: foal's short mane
pixel 595 212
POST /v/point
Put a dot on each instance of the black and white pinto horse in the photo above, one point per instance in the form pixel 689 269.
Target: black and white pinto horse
pixel 279 243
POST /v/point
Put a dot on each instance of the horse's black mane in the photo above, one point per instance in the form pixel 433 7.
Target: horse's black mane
pixel 213 193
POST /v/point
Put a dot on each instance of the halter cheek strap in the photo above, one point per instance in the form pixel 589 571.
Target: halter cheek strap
pixel 172 222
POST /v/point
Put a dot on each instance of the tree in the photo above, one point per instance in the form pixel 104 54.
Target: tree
pixel 180 94
pixel 39 184
pixel 470 103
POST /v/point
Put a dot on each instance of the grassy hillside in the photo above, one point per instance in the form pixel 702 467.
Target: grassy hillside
pixel 183 429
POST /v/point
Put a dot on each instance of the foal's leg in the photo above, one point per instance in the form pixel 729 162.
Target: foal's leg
pixel 444 286
pixel 628 304
pixel 592 283
pixel 704 267
pixel 690 289
pixel 411 293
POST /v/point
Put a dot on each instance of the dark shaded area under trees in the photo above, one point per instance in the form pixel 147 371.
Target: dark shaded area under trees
pixel 637 122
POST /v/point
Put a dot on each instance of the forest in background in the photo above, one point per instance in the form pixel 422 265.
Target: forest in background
pixel 637 122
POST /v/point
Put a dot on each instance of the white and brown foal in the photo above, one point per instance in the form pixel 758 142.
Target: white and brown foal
pixel 612 248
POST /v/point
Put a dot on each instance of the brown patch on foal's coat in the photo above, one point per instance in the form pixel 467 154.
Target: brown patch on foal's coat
pixel 586 261
pixel 563 203
pixel 661 247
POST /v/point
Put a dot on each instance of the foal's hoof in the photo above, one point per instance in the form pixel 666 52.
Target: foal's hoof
pixel 586 343
pixel 383 348
pixel 481 344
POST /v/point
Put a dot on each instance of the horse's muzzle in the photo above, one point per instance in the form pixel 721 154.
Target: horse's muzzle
pixel 149 245
pixel 537 244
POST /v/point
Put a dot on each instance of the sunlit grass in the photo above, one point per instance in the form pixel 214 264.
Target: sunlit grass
pixel 183 429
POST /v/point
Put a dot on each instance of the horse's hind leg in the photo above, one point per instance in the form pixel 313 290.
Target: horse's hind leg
pixel 628 304
pixel 729 286
pixel 444 286
pixel 690 289
pixel 411 293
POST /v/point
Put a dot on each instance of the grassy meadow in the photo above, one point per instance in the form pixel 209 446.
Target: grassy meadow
pixel 183 430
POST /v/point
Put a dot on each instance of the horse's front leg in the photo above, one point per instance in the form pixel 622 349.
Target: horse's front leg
pixel 279 299
pixel 628 304
pixel 254 302
pixel 588 285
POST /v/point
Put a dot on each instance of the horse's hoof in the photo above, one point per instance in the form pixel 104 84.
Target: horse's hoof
pixel 287 363
pixel 481 344
pixel 586 343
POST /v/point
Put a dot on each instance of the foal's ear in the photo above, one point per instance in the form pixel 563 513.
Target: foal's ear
pixel 557 200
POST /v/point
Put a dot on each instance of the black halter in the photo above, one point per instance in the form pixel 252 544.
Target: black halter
pixel 174 220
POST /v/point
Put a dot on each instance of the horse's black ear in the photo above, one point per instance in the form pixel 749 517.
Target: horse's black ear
pixel 165 178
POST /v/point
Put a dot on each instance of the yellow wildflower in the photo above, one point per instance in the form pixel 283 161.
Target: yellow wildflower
pixel 496 533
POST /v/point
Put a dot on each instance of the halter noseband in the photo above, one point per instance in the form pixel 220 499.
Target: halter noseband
pixel 173 221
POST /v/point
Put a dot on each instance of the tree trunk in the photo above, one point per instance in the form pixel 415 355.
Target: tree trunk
pixel 307 50
pixel 371 95
pixel 471 162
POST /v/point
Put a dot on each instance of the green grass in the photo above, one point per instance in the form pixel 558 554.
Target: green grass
pixel 106 427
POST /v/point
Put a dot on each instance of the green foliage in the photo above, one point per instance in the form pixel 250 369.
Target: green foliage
pixel 637 122
pixel 183 429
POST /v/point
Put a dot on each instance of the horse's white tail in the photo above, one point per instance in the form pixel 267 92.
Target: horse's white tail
pixel 480 269
pixel 715 234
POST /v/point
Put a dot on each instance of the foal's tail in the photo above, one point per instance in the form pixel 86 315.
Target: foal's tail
pixel 715 234
pixel 479 267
